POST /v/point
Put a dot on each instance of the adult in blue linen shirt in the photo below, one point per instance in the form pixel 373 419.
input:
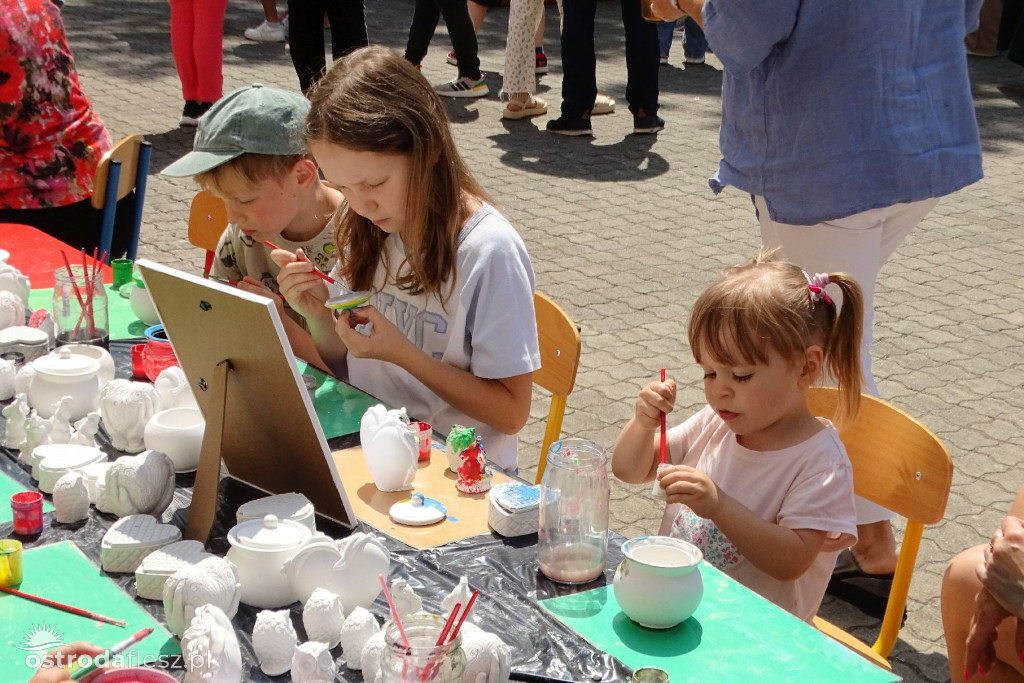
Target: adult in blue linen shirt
pixel 845 122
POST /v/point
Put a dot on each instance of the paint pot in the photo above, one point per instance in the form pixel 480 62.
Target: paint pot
pixel 157 354
pixel 422 431
pixel 10 562
pixel 649 674
pixel 653 567
pixel 27 507
pixel 134 675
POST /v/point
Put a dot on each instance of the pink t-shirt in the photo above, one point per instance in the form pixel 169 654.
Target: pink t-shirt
pixel 807 486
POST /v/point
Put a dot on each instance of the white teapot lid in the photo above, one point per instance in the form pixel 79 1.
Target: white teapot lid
pixel 269 533
pixel 64 363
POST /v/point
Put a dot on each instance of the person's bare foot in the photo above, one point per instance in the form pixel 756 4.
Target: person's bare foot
pixel 876 551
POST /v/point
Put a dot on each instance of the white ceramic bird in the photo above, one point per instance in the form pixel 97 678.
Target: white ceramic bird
pixel 37 433
pixel 322 617
pixel 210 649
pixel 274 640
pixel 140 484
pixel 211 581
pixel 358 628
pixel 405 598
pixel 71 498
pixel 86 429
pixel 312 663
pixel 60 422
pixel 460 594
pixel 15 414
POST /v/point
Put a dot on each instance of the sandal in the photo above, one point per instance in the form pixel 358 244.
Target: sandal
pixel 516 109
pixel 867 592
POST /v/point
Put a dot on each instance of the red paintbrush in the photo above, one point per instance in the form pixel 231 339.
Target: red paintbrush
pixel 663 425
pixel 316 271
pixel 61 606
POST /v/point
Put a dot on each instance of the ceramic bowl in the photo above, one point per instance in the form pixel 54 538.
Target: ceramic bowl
pixel 141 301
pixel 653 567
pixel 178 432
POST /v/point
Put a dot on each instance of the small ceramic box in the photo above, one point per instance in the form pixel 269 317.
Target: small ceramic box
pixel 514 509
pixel 293 506
pixel 162 563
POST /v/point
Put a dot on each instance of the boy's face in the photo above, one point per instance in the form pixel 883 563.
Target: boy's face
pixel 261 210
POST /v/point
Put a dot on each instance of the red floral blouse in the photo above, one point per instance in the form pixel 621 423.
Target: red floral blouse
pixel 50 137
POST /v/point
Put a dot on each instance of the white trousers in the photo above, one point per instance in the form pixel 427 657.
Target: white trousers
pixel 523 18
pixel 858 245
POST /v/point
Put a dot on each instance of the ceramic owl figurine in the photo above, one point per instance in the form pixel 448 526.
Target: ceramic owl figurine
pixel 358 628
pixel 12 311
pixel 322 617
pixel 312 662
pixel 369 657
pixel 140 484
pixel 390 448
pixel 213 581
pixel 274 640
pixel 71 498
pixel 8 371
pixel 405 598
pixel 488 658
pixel 126 408
pixel 210 648
pixel 15 414
pixel 11 280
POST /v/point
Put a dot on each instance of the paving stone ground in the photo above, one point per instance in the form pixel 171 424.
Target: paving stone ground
pixel 624 233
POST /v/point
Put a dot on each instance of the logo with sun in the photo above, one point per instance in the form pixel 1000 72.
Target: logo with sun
pixel 41 638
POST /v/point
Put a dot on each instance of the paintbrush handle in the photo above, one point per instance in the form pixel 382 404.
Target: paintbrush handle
pixel 61 606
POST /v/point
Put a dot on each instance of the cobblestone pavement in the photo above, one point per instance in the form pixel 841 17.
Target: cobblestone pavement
pixel 624 233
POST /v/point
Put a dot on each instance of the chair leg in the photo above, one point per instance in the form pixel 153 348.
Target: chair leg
pixel 552 431
pixel 209 264
pixel 141 175
pixel 109 207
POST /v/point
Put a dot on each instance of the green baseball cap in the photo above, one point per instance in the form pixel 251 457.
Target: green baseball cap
pixel 255 120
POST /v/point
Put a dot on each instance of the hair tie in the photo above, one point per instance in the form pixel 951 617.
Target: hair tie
pixel 817 285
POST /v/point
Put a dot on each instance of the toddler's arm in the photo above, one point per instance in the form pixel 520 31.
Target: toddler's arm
pixel 637 450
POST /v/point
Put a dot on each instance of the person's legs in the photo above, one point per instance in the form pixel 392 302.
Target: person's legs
pixel 694 42
pixel 306 40
pixel 348 26
pixel 641 60
pixel 463 37
pixel 270 11
pixel 519 77
pixel 182 32
pixel 208 47
pixel 666 30
pixel 579 62
pixel 477 13
pixel 425 16
pixel 538 34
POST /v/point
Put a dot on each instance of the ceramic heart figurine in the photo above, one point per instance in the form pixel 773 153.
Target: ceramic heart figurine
pixel 12 310
pixel 140 484
pixel 358 628
pixel 11 280
pixel 15 415
pixel 8 371
pixel 274 640
pixel 488 658
pixel 390 448
pixel 312 662
pixel 348 568
pixel 126 407
pixel 71 498
pixel 211 581
pixel 210 648
pixel 322 617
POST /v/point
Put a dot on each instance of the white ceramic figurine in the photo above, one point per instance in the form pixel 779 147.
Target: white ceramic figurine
pixel 274 640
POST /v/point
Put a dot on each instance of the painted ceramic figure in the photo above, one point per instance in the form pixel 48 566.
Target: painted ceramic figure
pixel 322 617
pixel 474 477
pixel 390 448
pixel 312 662
pixel 274 640
pixel 459 439
pixel 210 648
pixel 15 416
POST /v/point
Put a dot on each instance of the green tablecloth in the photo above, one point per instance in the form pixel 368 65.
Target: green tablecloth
pixel 123 322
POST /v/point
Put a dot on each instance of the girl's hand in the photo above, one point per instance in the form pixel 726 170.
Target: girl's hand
pixel 305 292
pixel 254 286
pixel 980 653
pixel 654 399
pixel 385 342
pixel 693 488
pixel 55 662
pixel 1002 573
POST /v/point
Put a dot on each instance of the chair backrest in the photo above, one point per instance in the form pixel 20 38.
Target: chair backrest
pixel 901 465
pixel 207 220
pixel 120 172
pixel 560 349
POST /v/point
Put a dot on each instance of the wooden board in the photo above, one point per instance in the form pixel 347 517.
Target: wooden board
pixel 467 513
pixel 272 438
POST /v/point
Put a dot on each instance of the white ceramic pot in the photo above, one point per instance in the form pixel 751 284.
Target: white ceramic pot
pixel 178 432
pixel 142 304
pixel 259 549
pixel 653 567
pixel 293 506
pixel 99 354
pixel 65 374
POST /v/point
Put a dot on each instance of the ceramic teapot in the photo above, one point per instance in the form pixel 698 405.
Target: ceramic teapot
pixel 65 374
pixel 259 549
pixel 653 567
pixel 391 449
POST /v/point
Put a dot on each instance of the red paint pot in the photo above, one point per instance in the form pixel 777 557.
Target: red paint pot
pixel 422 431
pixel 27 507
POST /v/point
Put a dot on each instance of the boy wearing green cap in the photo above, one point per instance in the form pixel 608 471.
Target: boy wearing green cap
pixel 249 151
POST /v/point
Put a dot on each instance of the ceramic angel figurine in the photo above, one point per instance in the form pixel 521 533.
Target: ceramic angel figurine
pixel 15 415
pixel 86 429
pixel 474 477
pixel 8 371
pixel 210 648
pixel 213 581
pixel 37 433
pixel 71 498
pixel 358 628
pixel 459 439
pixel 60 423
pixel 405 598
pixel 274 640
pixel 390 448
pixel 488 658
pixel 12 310
pixel 140 484
pixel 322 617
pixel 126 407
pixel 312 662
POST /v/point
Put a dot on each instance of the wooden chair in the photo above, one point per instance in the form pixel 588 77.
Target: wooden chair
pixel 901 465
pixel 560 349
pixel 207 220
pixel 121 172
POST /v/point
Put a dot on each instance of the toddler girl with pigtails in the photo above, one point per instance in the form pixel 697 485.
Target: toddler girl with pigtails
pixel 761 485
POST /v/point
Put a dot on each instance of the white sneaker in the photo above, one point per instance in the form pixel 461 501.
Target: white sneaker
pixel 467 86
pixel 603 104
pixel 266 33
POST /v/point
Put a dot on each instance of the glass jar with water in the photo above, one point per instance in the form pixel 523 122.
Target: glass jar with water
pixel 573 535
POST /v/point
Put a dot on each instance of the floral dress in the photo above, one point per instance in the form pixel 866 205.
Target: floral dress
pixel 50 136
